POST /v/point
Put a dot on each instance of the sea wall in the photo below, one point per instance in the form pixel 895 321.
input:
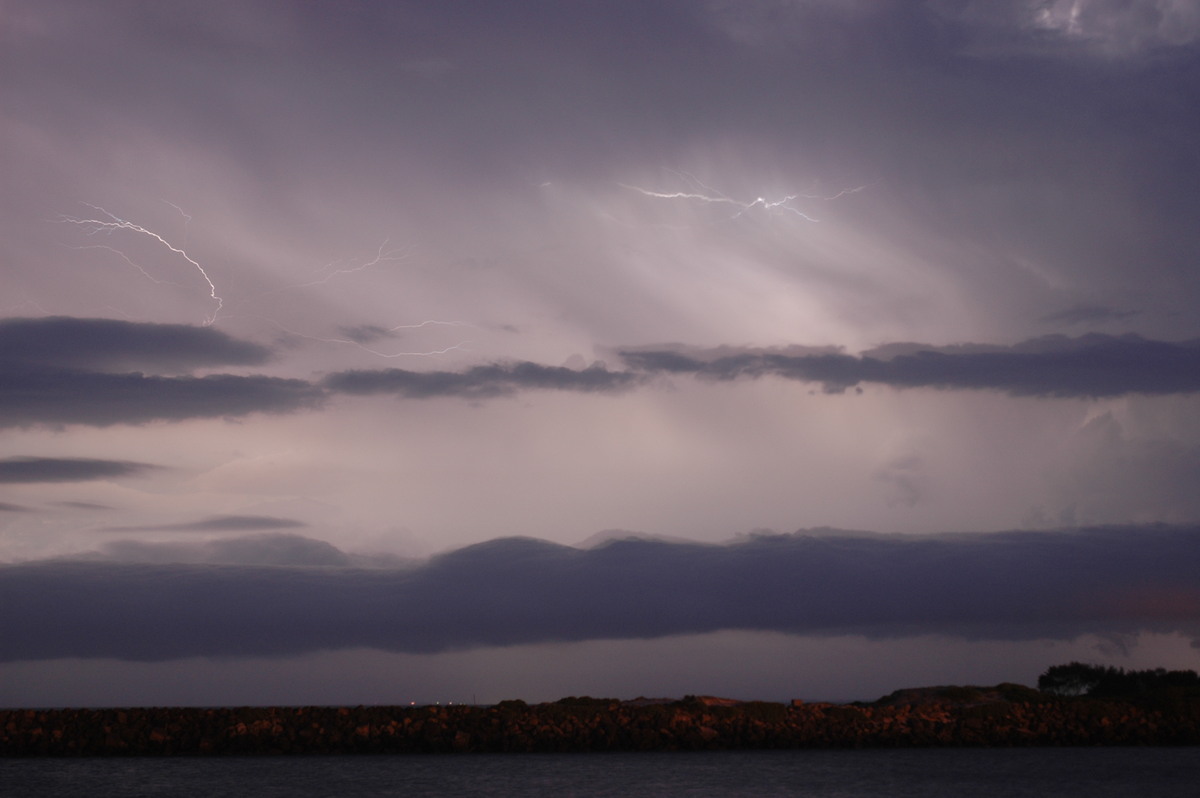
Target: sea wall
pixel 588 725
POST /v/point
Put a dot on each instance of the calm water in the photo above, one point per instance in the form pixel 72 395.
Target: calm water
pixel 1059 772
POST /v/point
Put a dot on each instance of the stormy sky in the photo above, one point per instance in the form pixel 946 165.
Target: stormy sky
pixel 377 352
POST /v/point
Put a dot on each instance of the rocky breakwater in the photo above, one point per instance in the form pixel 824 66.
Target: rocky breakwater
pixel 1007 715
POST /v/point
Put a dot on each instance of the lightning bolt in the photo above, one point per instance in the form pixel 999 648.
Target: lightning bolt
pixel 108 223
pixel 710 195
pixel 429 323
pixel 186 216
pixel 382 255
pixel 113 223
pixel 346 266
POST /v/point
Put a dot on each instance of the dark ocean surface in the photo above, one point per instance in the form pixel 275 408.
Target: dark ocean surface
pixel 929 773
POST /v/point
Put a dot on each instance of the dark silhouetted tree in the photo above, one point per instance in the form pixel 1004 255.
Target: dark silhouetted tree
pixel 1074 678
pixel 1077 678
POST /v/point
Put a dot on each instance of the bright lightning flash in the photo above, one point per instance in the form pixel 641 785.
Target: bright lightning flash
pixel 113 223
pixel 710 195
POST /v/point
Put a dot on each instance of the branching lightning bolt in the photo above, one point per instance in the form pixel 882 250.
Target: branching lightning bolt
pixel 108 223
pixel 382 255
pixel 430 323
pixel 114 223
pixel 710 195
pixel 186 216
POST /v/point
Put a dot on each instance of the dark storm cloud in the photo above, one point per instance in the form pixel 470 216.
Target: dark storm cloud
pixel 218 523
pixel 31 396
pixel 6 507
pixel 1055 366
pixel 480 382
pixel 66 469
pixel 65 342
pixel 999 586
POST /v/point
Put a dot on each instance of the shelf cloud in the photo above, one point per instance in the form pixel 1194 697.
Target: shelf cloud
pixel 997 586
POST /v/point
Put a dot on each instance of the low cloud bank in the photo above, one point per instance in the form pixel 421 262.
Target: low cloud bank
pixel 999 586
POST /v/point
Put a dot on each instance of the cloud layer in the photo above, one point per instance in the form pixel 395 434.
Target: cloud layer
pixel 1090 366
pixel 64 371
pixel 66 469
pixel 40 396
pixel 999 586
pixel 64 342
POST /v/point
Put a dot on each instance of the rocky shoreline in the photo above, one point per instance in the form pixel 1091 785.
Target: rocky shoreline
pixel 1007 715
